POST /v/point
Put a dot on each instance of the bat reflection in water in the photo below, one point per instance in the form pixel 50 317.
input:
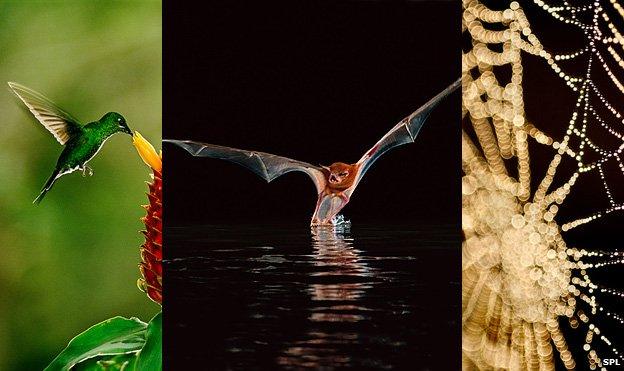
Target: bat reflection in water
pixel 335 183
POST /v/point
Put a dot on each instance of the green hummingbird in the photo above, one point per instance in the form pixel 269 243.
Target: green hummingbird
pixel 82 142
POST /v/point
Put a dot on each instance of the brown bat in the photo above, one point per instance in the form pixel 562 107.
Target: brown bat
pixel 335 183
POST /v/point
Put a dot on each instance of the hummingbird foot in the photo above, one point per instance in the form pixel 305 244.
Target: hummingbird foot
pixel 86 169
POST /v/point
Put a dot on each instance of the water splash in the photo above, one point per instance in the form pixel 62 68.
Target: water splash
pixel 340 221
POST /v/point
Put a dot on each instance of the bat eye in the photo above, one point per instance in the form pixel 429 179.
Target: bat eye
pixel 343 174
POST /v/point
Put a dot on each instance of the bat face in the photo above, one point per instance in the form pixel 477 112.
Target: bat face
pixel 340 176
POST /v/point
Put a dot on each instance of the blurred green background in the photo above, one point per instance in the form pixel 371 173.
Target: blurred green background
pixel 72 261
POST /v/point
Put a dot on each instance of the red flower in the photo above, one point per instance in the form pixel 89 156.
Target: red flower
pixel 151 250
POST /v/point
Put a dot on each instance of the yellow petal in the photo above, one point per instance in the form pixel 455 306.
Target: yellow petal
pixel 147 152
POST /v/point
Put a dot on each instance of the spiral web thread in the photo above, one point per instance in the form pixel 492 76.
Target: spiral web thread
pixel 519 276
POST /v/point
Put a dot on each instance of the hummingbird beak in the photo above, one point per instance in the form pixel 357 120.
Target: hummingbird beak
pixel 127 130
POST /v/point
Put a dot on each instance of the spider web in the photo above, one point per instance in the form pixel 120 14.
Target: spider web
pixel 601 35
pixel 519 275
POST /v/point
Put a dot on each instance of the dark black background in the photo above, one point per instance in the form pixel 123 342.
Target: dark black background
pixel 318 82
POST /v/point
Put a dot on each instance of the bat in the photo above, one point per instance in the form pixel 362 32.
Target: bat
pixel 336 183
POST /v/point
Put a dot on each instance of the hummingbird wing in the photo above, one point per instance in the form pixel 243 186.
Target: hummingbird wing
pixel 58 122
pixel 266 165
pixel 403 132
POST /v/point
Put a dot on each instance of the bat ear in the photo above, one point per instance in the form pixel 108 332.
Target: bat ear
pixel 325 167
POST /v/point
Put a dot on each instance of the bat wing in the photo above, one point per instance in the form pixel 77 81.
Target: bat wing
pixel 58 122
pixel 404 132
pixel 266 165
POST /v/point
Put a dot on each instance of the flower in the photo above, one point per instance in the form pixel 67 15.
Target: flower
pixel 147 152
pixel 151 250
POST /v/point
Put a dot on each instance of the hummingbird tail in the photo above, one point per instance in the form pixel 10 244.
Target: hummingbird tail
pixel 46 187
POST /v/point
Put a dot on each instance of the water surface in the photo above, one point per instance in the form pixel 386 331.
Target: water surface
pixel 280 297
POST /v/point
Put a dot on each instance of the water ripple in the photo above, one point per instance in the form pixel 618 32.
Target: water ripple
pixel 282 299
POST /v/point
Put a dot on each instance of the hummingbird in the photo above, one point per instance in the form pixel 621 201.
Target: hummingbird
pixel 81 142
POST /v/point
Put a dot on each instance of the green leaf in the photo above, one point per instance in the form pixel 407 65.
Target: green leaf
pixel 150 357
pixel 122 362
pixel 115 336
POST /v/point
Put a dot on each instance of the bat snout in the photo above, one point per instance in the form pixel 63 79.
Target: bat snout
pixel 333 179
